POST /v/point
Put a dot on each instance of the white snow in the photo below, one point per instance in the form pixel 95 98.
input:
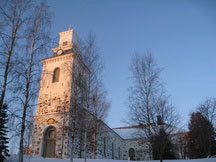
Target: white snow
pixel 41 159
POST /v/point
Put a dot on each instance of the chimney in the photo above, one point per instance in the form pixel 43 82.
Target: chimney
pixel 159 120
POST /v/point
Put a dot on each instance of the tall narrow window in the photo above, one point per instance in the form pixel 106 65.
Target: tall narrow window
pixel 112 150
pixel 104 146
pixel 119 153
pixel 80 80
pixel 56 75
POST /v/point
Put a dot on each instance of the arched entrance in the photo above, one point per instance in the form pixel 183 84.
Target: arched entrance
pixel 132 154
pixel 49 142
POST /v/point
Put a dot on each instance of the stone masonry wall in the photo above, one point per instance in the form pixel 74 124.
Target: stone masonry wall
pixel 109 144
pixel 40 127
pixel 53 103
pixel 141 149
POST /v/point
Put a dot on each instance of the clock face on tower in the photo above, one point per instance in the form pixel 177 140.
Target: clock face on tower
pixel 59 52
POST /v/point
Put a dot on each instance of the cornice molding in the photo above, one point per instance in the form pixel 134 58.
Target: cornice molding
pixel 49 114
pixel 55 59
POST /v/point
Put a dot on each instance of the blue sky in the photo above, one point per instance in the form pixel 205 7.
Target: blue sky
pixel 181 34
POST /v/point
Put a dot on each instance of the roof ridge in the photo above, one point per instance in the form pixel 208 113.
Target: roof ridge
pixel 132 126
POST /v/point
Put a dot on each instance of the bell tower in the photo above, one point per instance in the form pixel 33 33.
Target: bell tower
pixel 50 138
pixel 67 40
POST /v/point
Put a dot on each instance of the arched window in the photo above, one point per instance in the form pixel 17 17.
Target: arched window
pixel 56 74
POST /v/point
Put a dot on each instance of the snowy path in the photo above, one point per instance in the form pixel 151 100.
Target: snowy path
pixel 40 159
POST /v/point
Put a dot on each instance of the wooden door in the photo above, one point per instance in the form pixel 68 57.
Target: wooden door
pixel 50 143
pixel 50 148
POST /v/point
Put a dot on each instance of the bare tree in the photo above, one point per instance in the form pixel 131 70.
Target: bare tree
pixel 89 102
pixel 13 14
pixel 98 105
pixel 79 96
pixel 13 17
pixel 28 69
pixel 149 106
pixel 208 110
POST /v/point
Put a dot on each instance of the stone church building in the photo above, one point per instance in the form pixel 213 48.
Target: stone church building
pixel 54 129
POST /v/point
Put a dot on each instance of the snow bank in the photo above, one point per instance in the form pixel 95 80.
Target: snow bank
pixel 41 159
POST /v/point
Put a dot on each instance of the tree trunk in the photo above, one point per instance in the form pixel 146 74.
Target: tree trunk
pixel 85 139
pixel 161 157
pixel 72 115
pixel 24 116
pixel 63 134
pixel 22 135
pixel 95 122
pixel 27 96
pixel 95 138
pixel 72 139
pixel 3 90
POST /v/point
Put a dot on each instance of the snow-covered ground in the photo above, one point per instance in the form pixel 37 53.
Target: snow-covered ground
pixel 40 159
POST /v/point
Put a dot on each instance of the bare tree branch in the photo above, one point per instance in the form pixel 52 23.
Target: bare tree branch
pixel 149 106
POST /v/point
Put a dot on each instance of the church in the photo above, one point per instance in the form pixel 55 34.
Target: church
pixel 57 131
